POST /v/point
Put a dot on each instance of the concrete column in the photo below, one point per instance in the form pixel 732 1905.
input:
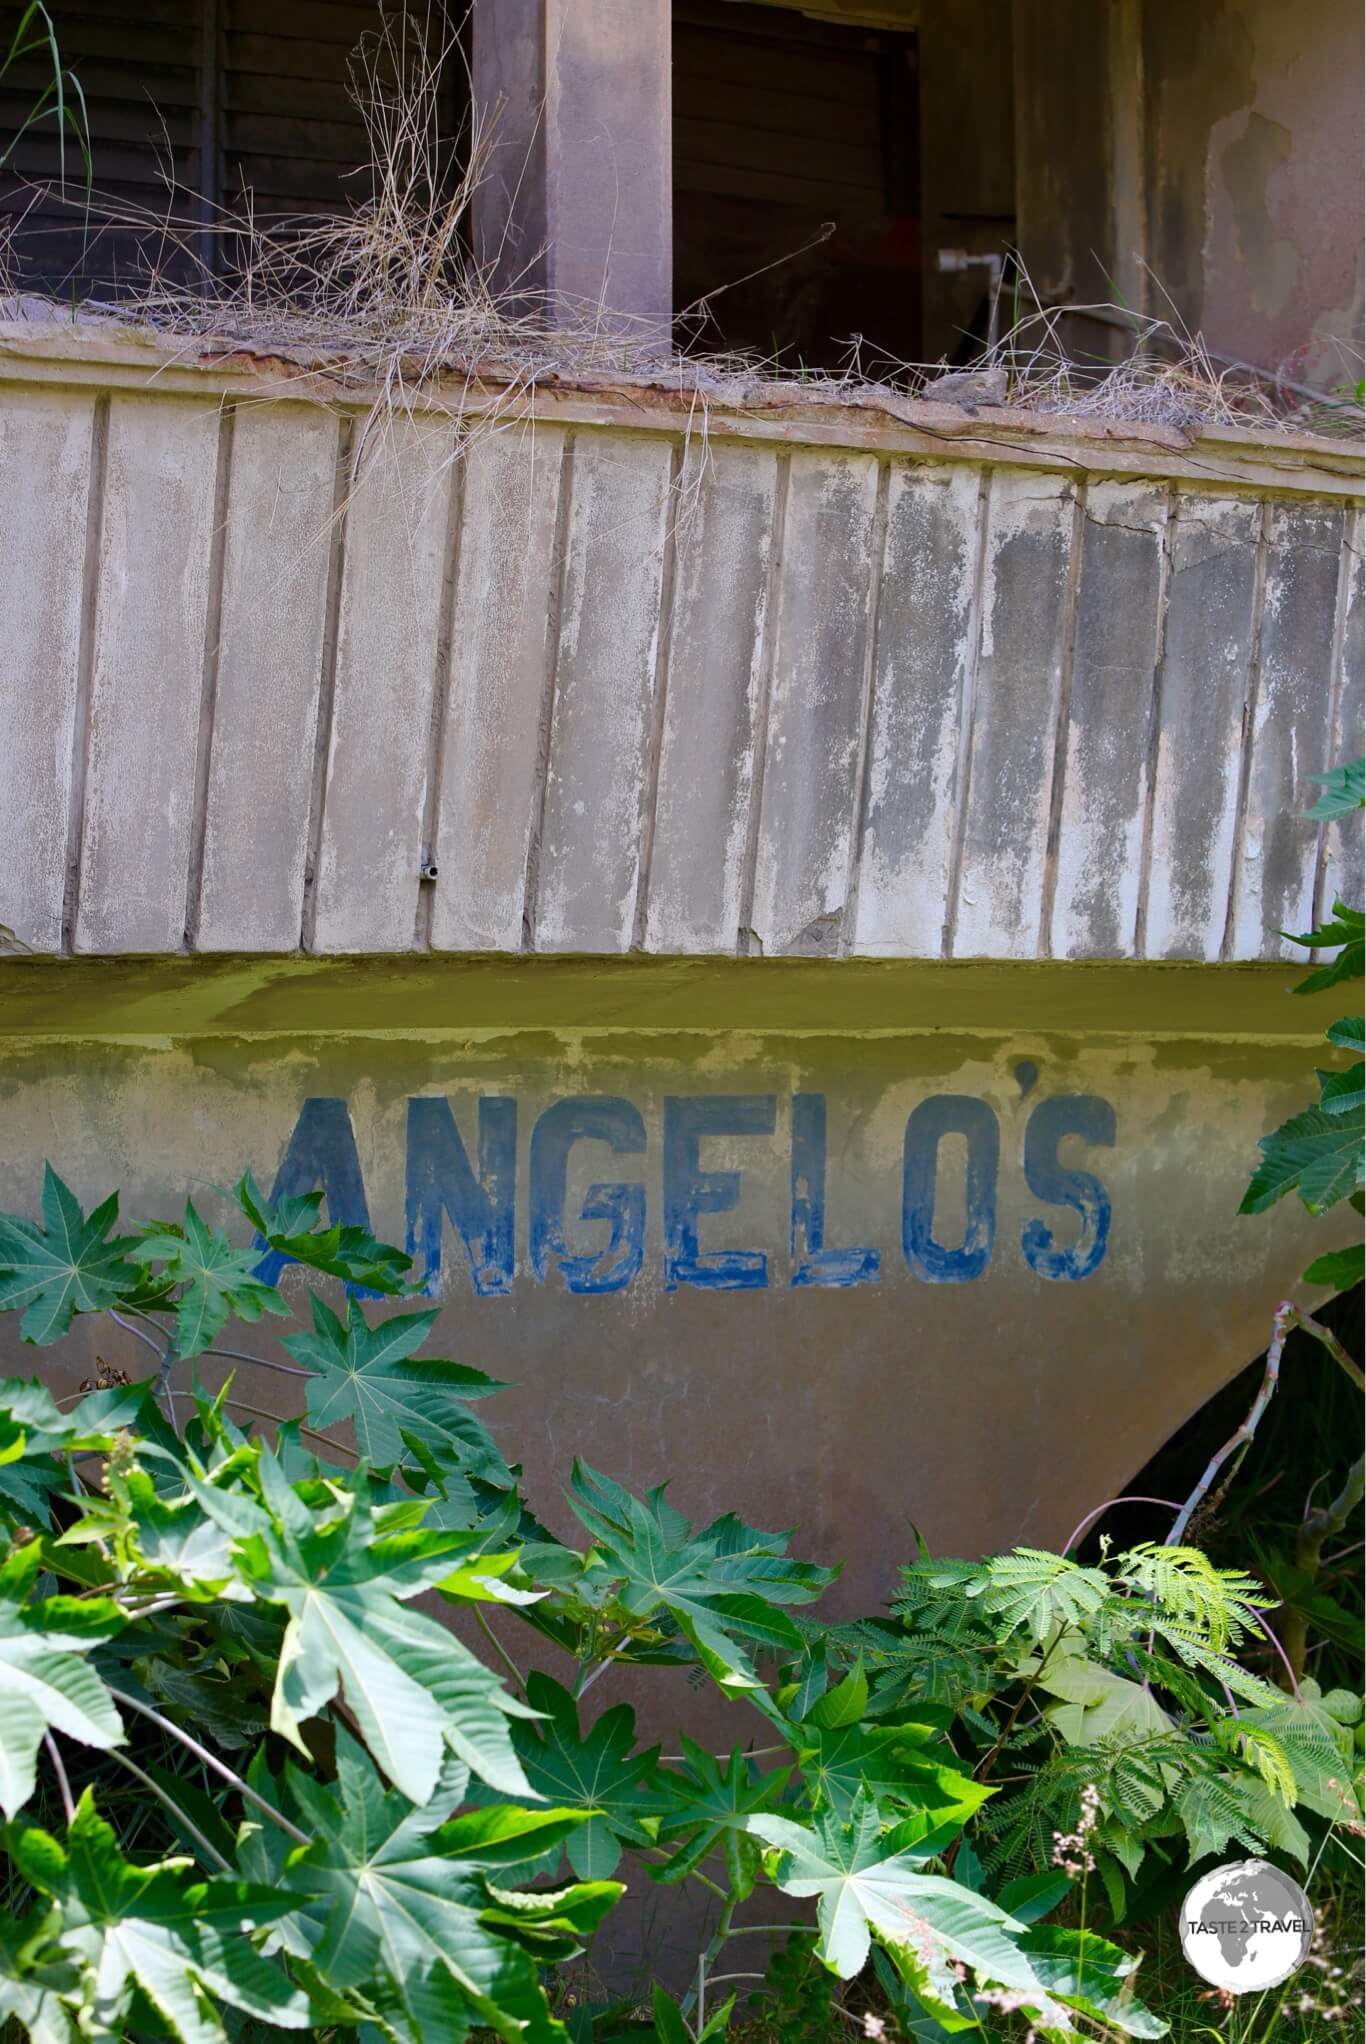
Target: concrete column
pixel 576 211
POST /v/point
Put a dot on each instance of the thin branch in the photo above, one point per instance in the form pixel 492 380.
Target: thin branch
pixel 1031 1683
pixel 210 1852
pixel 154 1609
pixel 63 1785
pixel 211 1760
pixel 1316 1530
pixel 1334 1347
pixel 1286 1316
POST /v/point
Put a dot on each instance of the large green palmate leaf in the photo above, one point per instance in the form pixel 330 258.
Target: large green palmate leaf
pixel 147 1930
pixel 35 1974
pixel 412 1687
pixel 1317 1155
pixel 866 1880
pixel 894 1763
pixel 290 1227
pixel 368 1375
pixel 1090 1974
pixel 1338 1268
pixel 33 1432
pixel 1344 789
pixel 1343 1092
pixel 596 1773
pixel 46 1680
pixel 710 1807
pixel 1096 1705
pixel 719 1587
pixel 213 1280
pixel 68 1266
pixel 1346 930
pixel 413 1894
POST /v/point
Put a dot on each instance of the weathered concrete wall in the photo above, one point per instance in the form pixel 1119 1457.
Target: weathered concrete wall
pixel 818 682
pixel 1199 164
pixel 1255 137
pixel 381 822
pixel 849 1247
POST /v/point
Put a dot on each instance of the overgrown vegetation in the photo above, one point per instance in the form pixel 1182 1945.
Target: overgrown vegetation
pixel 386 290
pixel 59 100
pixel 347 1821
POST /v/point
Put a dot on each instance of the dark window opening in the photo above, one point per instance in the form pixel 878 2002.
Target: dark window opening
pixel 784 128
pixel 197 109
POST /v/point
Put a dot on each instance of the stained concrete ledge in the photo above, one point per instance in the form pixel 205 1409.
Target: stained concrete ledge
pixel 779 679
pixel 162 998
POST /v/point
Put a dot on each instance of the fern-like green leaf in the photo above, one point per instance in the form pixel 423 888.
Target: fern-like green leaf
pixel 1037 1592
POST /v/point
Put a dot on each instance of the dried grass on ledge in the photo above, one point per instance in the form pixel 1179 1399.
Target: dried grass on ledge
pixel 386 294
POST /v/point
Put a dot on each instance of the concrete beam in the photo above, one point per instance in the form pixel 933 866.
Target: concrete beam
pixel 576 213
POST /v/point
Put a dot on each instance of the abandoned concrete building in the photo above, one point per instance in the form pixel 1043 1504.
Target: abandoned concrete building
pixel 773 890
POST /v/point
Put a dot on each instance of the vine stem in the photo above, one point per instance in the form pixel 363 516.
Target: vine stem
pixel 753 1753
pixel 704 1959
pixel 237 1355
pixel 281 1419
pixel 211 1760
pixel 748 1930
pixel 136 1332
pixel 591 1677
pixel 210 1852
pixel 1286 1316
pixel 1110 1503
pixel 491 1636
pixel 694 1874
pixel 1262 1626
pixel 58 1768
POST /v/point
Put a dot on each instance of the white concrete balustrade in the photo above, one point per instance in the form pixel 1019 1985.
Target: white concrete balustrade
pixel 790 678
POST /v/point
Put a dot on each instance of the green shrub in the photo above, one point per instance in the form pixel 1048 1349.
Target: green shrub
pixel 251 1783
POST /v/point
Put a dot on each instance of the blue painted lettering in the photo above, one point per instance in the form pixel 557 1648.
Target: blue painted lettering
pixel 321 1152
pixel 441 1182
pixel 1093 1120
pixel 812 1262
pixel 949 1114
pixel 690 1191
pixel 609 1268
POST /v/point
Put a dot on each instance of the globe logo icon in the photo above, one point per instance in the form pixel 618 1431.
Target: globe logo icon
pixel 1246 1926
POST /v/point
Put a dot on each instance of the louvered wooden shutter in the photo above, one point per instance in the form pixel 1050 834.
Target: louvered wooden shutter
pixel 193 104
